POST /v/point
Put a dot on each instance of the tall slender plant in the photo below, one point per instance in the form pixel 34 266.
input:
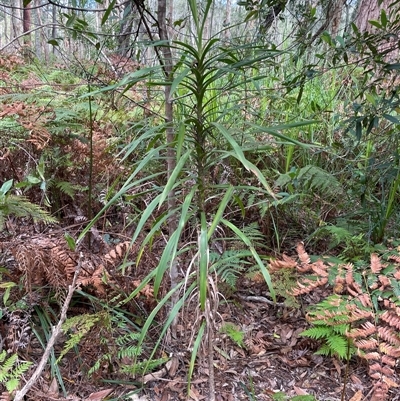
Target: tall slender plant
pixel 200 138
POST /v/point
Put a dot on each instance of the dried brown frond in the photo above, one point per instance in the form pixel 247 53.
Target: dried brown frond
pixel 391 319
pixel 387 360
pixel 303 255
pixel 365 300
pixel 376 371
pixel 389 382
pixel 380 391
pixel 388 349
pixel 360 315
pixel 286 263
pixel 389 335
pixel 376 265
pixel 372 356
pixel 365 330
pixel 320 268
pixel 395 258
pixel 340 281
pixel 384 281
pixel 366 344
pixel 307 285
pixel 116 254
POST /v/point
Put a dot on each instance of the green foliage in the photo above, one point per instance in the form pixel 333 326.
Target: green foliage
pixel 352 246
pixel 76 328
pixel 229 265
pixel 11 370
pixel 310 179
pixel 284 281
pixel 234 333
pixel 19 206
pixel 331 321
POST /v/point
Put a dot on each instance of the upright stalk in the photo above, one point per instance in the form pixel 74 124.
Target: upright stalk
pixel 170 137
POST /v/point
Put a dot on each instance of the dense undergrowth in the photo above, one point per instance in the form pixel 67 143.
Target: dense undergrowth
pixel 268 152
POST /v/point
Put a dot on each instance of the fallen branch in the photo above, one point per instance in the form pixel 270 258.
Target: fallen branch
pixel 19 396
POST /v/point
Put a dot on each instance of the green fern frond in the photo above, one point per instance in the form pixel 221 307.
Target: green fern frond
pixel 141 368
pixel 338 345
pixel 234 333
pixel 66 188
pixel 317 332
pixel 11 370
pixel 316 179
pixel 81 325
pixel 19 206
pixel 229 265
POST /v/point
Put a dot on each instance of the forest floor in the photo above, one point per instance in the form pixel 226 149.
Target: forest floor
pixel 271 356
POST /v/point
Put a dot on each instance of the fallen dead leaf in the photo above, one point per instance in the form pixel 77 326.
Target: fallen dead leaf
pixel 300 391
pixel 337 366
pixel 53 390
pixel 357 396
pixel 355 380
pixel 195 395
pixel 100 395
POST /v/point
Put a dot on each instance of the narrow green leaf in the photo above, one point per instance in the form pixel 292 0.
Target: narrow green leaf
pixel 70 241
pixel 171 248
pixel 391 118
pixel 221 208
pixel 256 256
pixel 108 12
pixel 375 23
pixel 238 154
pixel 172 179
pixel 6 187
pixel 53 42
pixel 178 79
pixel 196 347
pixel 384 19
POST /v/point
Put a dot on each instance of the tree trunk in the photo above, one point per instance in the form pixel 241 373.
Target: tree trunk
pixel 369 10
pixel 15 20
pixel 54 28
pixel 227 21
pixel 126 28
pixel 334 15
pixel 26 24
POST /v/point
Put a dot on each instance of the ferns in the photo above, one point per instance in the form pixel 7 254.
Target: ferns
pixel 229 265
pixel 330 324
pixel 20 207
pixel 79 326
pixel 363 316
pixel 311 178
pixel 11 370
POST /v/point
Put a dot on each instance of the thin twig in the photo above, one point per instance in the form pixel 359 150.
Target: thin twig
pixel 55 332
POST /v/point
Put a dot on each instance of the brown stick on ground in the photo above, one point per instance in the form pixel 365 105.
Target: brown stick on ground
pixel 55 332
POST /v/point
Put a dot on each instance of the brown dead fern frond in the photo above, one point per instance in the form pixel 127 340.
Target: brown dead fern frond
pixel 364 344
pixel 380 390
pixel 320 268
pixel 303 255
pixel 391 319
pixel 287 263
pixel 307 285
pixel 376 265
pixel 365 330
